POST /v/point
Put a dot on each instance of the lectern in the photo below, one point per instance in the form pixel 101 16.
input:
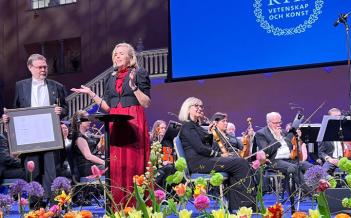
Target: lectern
pixel 107 119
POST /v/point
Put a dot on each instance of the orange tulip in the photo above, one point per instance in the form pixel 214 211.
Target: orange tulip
pixel 69 215
pixel 139 180
pixel 86 214
pixel 299 214
pixel 180 189
pixel 342 215
pixel 127 210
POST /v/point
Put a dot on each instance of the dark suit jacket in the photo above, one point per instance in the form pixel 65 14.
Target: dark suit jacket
pixel 127 98
pixel 325 149
pixel 197 144
pixel 264 138
pixel 23 93
pixel 6 160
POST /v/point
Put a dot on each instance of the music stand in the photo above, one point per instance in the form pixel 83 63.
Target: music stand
pixel 107 118
pixel 172 131
pixel 335 129
pixel 309 132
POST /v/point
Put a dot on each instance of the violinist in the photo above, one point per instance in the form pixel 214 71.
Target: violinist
pixel 157 133
pixel 277 145
pixel 202 158
pixel 331 151
pixel 230 141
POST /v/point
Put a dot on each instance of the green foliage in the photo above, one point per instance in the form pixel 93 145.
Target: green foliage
pixel 180 164
pixel 216 179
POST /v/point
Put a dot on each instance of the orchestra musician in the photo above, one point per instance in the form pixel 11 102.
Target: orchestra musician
pixel 331 151
pixel 157 133
pixel 83 146
pixel 221 122
pixel 202 158
pixel 277 145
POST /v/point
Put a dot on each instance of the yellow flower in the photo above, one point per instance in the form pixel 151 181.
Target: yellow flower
pixel 313 213
pixel 185 213
pixel 244 211
pixel 63 198
pixel 135 214
pixel 199 189
pixel 157 215
pixel 218 213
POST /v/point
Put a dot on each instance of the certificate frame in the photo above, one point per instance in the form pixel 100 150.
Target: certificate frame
pixel 34 129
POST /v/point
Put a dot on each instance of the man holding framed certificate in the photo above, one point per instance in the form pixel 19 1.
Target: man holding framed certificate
pixel 39 91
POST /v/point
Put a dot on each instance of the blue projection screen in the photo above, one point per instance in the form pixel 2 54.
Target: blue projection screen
pixel 210 38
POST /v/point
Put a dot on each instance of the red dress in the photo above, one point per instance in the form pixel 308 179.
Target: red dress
pixel 130 148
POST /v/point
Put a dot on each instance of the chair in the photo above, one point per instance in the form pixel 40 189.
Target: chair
pixel 191 177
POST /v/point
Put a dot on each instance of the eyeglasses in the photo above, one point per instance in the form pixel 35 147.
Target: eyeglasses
pixel 40 67
pixel 197 106
pixel 276 123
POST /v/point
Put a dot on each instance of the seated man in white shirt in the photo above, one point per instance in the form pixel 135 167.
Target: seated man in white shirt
pixel 280 149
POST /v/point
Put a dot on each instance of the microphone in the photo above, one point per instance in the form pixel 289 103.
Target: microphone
pixel 294 106
pixel 172 114
pixel 341 19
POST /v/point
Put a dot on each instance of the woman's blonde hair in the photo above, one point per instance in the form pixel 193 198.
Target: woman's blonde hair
pixel 131 53
pixel 183 115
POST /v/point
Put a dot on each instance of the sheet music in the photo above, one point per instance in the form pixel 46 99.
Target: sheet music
pixel 33 129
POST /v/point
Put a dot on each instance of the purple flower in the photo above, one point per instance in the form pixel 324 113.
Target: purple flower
pixel 160 195
pixel 314 174
pixel 61 183
pixel 35 189
pixel 55 209
pixel 202 202
pixel 6 202
pixel 18 187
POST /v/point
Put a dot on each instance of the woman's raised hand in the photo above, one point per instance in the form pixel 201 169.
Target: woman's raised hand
pixel 83 89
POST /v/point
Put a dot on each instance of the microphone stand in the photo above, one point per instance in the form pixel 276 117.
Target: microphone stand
pixel 343 19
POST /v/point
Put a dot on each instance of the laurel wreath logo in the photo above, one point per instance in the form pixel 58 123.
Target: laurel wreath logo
pixel 277 31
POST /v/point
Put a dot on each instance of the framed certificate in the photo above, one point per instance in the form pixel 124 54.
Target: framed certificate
pixel 33 130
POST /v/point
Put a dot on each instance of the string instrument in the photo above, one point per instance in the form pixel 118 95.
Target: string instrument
pixel 246 139
pixel 347 149
pixel 167 154
pixel 222 141
pixel 296 150
pixel 293 153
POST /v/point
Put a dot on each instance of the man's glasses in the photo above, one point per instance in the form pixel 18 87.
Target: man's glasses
pixel 40 67
pixel 277 123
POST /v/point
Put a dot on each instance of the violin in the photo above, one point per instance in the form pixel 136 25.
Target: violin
pixel 167 154
pixel 347 149
pixel 293 153
pixel 246 139
pixel 222 142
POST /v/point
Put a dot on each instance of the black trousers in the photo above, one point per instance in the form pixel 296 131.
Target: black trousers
pixel 45 169
pixel 240 190
pixel 288 166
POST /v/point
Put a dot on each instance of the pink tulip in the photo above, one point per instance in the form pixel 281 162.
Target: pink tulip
pixel 96 172
pixel 202 202
pixel 256 164
pixel 55 209
pixel 160 195
pixel 23 202
pixel 323 185
pixel 30 166
pixel 261 157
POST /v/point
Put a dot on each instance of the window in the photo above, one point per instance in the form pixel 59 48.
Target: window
pixel 49 3
pixel 62 56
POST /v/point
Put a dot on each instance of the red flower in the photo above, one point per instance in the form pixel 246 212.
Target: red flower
pixel 276 211
pixel 139 180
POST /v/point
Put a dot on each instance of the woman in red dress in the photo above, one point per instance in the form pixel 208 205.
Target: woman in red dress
pixel 127 91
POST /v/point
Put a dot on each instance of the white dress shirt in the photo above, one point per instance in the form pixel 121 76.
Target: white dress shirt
pixel 40 93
